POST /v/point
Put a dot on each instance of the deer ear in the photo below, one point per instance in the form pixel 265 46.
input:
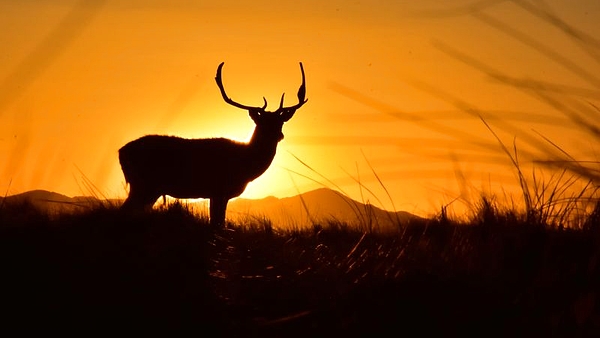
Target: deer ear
pixel 287 114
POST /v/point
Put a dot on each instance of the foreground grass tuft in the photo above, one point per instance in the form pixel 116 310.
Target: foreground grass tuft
pixel 168 270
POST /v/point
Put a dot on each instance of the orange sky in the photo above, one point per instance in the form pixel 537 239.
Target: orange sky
pixel 387 84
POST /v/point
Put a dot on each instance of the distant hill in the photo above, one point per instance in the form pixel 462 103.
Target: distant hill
pixel 317 206
pixel 50 201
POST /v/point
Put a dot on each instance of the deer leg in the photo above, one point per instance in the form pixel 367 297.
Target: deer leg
pixel 218 206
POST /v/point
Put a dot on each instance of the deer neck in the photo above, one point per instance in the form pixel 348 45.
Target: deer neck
pixel 262 150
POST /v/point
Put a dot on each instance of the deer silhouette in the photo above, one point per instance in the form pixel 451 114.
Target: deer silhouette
pixel 214 168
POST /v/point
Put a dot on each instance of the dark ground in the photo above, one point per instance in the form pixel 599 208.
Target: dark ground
pixel 106 272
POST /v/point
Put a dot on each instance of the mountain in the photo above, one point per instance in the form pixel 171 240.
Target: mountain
pixel 49 201
pixel 320 205
pixel 317 206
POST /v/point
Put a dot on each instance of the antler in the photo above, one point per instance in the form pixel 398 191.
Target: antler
pixel 229 100
pixel 301 94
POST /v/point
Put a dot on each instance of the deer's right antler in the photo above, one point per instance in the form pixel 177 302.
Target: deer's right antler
pixel 301 91
pixel 301 95
pixel 229 100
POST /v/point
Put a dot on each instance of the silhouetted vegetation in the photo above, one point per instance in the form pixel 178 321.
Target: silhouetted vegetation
pixel 103 269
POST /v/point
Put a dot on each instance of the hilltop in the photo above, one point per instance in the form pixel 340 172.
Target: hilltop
pixel 317 206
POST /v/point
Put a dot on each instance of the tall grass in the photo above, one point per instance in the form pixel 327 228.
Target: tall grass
pixel 555 188
pixel 168 270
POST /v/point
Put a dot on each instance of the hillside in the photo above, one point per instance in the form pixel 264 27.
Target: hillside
pixel 320 205
pixel 48 201
pixel 317 206
pixel 103 270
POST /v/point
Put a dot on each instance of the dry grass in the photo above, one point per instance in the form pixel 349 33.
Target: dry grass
pixel 167 270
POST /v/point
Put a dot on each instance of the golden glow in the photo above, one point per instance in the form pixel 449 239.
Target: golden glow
pixel 80 79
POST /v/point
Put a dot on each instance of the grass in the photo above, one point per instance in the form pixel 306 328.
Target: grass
pixel 168 270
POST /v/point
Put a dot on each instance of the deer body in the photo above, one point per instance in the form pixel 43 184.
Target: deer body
pixel 214 168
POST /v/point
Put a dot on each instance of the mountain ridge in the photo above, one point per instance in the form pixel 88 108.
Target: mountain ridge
pixel 312 207
pixel 319 205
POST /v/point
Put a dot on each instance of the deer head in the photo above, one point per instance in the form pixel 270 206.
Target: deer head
pixel 268 124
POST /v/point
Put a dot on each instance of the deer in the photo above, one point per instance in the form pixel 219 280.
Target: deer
pixel 217 169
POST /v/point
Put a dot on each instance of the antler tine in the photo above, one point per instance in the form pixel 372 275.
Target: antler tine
pixel 302 89
pixel 281 103
pixel 229 100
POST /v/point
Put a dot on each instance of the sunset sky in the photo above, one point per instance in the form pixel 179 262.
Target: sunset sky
pixel 392 86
